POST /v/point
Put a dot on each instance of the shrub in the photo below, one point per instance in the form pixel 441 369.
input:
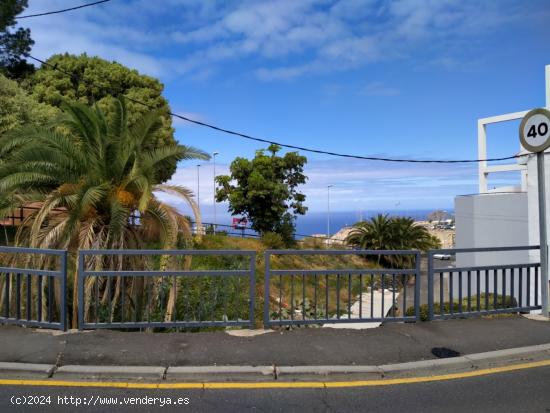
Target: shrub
pixel 313 243
pixel 507 302
pixel 272 240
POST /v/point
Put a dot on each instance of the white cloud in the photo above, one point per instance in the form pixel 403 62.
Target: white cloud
pixel 283 39
pixel 358 185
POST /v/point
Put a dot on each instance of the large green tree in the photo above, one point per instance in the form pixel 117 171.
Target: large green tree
pixel 17 108
pixel 88 186
pixel 15 45
pixel 264 190
pixel 93 80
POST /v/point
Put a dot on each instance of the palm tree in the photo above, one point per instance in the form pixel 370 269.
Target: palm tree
pixel 391 233
pixel 91 180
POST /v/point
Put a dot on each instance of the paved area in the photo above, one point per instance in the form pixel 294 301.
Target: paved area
pixel 424 283
pixel 391 343
pixel 518 391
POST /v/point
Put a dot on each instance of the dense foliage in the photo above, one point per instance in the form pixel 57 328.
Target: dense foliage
pixel 17 108
pixel 264 190
pixel 15 45
pixel 92 184
pixel 391 233
pixel 96 81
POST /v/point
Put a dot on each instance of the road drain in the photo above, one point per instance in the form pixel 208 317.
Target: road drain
pixel 444 352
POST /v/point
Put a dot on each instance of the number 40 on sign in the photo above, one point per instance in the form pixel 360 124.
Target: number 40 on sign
pixel 534 130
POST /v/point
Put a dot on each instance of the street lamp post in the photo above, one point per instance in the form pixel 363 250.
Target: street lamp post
pixel 198 187
pixel 214 160
pixel 328 211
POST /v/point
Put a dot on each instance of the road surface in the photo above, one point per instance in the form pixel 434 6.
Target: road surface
pixel 519 391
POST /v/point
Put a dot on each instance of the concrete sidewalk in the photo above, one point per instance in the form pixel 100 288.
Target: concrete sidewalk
pixel 391 343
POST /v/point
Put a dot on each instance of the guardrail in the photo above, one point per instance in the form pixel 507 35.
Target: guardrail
pixel 30 293
pixel 483 289
pixel 346 295
pixel 164 298
pixel 118 289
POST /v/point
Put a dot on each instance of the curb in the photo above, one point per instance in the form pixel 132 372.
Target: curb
pixel 195 373
pixel 110 372
pixel 269 373
pixel 319 373
pixel 22 370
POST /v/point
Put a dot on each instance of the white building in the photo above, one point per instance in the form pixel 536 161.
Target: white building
pixel 502 216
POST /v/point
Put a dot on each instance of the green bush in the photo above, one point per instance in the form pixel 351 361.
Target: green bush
pixel 502 302
pixel 313 243
pixel 272 240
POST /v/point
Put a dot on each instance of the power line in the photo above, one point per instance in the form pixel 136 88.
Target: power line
pixel 284 145
pixel 63 10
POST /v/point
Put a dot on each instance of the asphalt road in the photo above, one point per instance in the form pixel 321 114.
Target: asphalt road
pixel 519 391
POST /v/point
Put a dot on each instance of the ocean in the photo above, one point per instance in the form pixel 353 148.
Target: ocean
pixel 316 222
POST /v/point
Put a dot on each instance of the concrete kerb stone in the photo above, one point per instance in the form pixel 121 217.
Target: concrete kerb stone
pixel 25 370
pixel 82 372
pixel 427 367
pixel 513 355
pixel 220 373
pixel 318 373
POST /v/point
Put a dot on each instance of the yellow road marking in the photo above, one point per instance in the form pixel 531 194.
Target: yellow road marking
pixel 276 384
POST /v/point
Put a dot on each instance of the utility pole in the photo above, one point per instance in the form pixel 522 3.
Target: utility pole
pixel 198 187
pixel 541 174
pixel 214 160
pixel 328 211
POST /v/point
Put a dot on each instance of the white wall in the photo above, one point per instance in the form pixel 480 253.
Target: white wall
pixel 492 220
pixel 533 205
pixel 495 220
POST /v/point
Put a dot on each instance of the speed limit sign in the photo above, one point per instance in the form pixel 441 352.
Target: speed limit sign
pixel 534 131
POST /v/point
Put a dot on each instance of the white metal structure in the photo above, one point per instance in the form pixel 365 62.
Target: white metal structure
pixel 484 168
pixel 521 164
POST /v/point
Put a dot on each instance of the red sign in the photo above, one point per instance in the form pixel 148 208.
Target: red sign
pixel 239 223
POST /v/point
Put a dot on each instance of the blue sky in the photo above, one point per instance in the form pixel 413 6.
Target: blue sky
pixel 404 78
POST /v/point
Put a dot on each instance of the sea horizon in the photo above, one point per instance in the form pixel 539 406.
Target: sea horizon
pixel 316 222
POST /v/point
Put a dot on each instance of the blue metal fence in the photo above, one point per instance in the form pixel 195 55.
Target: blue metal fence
pixel 124 298
pixel 331 296
pixel 482 289
pixel 33 287
pixel 116 291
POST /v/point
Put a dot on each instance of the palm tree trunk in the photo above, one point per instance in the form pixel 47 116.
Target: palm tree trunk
pixel 172 299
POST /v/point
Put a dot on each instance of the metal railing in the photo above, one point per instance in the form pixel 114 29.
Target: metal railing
pixel 31 292
pixel 345 295
pixel 164 298
pixel 482 289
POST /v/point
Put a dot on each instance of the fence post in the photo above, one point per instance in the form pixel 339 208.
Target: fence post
pixel 430 286
pixel 252 295
pixel 417 286
pixel 80 282
pixel 267 279
pixel 63 303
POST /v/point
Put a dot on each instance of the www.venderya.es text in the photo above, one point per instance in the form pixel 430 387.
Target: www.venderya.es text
pixel 43 400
